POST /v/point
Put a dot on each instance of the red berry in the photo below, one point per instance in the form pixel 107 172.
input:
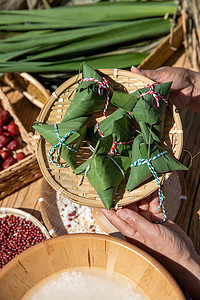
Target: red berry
pixel 8 162
pixel 12 128
pixel 4 140
pixel 1 130
pixel 20 156
pixel 5 117
pixel 12 145
pixel 4 154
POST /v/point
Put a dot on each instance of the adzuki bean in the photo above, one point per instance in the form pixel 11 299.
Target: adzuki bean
pixel 16 235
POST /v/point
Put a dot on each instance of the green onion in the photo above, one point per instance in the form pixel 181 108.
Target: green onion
pixel 58 39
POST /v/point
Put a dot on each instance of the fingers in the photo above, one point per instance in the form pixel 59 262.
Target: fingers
pixel 154 203
pixel 130 224
pixel 159 75
pixel 143 205
pixel 141 228
pixel 118 222
pixel 136 70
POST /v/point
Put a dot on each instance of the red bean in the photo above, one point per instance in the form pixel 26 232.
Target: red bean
pixel 17 234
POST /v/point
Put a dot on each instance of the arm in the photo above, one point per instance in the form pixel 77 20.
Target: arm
pixel 185 90
pixel 167 242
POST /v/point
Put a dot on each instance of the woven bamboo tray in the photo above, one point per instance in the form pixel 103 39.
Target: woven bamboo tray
pixel 63 180
pixel 26 170
pixel 174 191
pixel 7 211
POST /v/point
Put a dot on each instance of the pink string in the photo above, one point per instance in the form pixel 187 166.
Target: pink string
pixel 102 85
pixel 115 143
pixel 100 133
pixel 155 95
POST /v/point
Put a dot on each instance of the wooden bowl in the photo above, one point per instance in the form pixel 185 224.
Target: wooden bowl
pixel 68 184
pixel 72 252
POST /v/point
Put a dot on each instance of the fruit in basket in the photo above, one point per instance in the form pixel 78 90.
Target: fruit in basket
pixel 9 141
pixel 12 129
pixel 8 162
pixel 5 117
pixel 4 140
pixel 4 154
pixel 20 156
pixel 12 145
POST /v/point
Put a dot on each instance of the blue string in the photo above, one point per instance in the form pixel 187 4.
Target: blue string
pixel 59 145
pixel 143 161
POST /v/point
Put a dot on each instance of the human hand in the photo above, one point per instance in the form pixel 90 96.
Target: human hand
pixel 185 89
pixel 167 242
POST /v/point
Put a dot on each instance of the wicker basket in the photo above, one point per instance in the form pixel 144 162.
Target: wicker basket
pixel 27 85
pixel 26 170
pixel 7 211
pixel 63 180
pixel 166 49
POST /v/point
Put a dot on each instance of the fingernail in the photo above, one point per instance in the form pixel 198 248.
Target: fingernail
pixel 134 68
pixel 123 214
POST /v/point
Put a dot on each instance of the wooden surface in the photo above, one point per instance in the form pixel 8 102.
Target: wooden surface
pixel 189 219
pixel 89 251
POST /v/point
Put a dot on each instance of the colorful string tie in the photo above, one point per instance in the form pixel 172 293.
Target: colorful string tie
pixel 59 145
pixel 115 143
pixel 143 161
pixel 102 85
pixel 155 94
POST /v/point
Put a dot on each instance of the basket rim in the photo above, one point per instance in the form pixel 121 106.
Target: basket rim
pixel 80 199
pixel 22 214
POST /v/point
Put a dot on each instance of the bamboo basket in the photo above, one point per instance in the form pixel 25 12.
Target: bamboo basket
pixel 174 191
pixel 28 86
pixel 8 211
pixel 167 48
pixel 89 251
pixel 63 180
pixel 26 170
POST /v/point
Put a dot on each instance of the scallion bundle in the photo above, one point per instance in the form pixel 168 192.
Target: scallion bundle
pixel 107 35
